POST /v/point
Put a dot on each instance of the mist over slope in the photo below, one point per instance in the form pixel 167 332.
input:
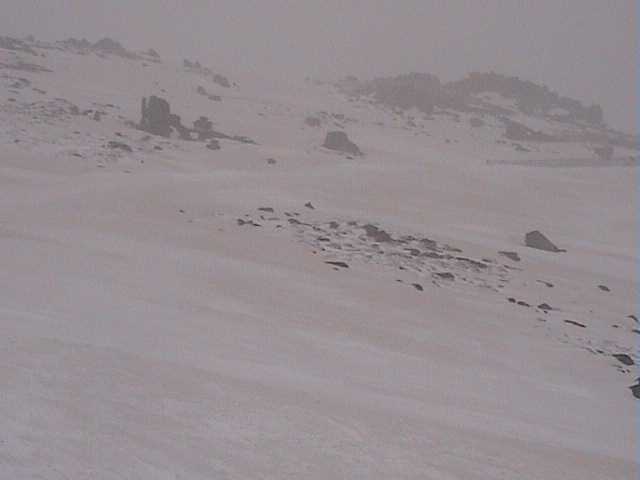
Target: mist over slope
pixel 217 276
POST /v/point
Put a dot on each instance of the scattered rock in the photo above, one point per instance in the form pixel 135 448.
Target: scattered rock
pixel 337 264
pixel 213 144
pixel 338 141
pixel 537 240
pixel 119 146
pixel 445 275
pixel 577 324
pixel 312 122
pixel 511 255
pixel 624 359
pixel 635 389
pixel 376 233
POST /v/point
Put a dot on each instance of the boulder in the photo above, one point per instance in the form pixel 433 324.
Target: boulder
pixel 537 240
pixel 338 141
pixel 156 113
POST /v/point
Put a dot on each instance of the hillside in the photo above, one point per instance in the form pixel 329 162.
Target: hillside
pixel 200 286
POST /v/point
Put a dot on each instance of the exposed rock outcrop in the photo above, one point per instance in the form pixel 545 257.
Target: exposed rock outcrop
pixel 339 141
pixel 537 240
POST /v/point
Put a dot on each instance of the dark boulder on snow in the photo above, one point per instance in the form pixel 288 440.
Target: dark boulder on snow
pixel 537 240
pixel 157 119
pixel 339 142
pixel 156 116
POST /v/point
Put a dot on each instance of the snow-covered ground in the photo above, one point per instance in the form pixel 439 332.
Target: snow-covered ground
pixel 147 333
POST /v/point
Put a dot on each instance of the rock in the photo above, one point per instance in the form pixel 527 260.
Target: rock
pixel 537 240
pixel 312 122
pixel 266 209
pixel 221 80
pixel 418 287
pixel 445 275
pixel 119 146
pixel 624 359
pixel 156 114
pixel 203 128
pixel 339 142
pixel 309 206
pixel 337 264
pixel 633 317
pixel 545 307
pixel 635 389
pixel 577 324
pixel 510 255
pixel 511 300
pixel 523 304
pixel 271 161
pixel 604 288
pixel 376 233
pixel 213 144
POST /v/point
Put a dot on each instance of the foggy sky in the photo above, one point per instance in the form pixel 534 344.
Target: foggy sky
pixel 582 48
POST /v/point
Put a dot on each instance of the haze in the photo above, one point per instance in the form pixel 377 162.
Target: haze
pixel 582 48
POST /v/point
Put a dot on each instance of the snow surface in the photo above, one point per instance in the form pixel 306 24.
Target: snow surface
pixel 145 334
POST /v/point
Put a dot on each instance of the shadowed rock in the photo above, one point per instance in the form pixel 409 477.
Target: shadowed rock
pixel 537 240
pixel 156 114
pixel 157 119
pixel 339 142
pixel 624 359
pixel 511 255
pixel 635 389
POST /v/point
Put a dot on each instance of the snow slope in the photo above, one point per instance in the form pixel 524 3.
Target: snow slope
pixel 145 333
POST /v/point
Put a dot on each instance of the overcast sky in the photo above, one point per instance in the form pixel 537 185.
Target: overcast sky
pixel 582 48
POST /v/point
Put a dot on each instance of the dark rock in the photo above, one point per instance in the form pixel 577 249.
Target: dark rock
pixel 633 317
pixel 604 288
pixel 511 255
pixel 376 233
pixel 119 146
pixel 523 304
pixel 445 275
pixel 266 209
pixel 635 389
pixel 577 324
pixel 547 284
pixel 337 264
pixel 624 359
pixel 537 240
pixel 213 144
pixel 312 122
pixel 511 300
pixel 156 113
pixel 309 206
pixel 545 306
pixel 418 287
pixel 221 80
pixel 338 141
pixel 271 161
pixel 203 128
